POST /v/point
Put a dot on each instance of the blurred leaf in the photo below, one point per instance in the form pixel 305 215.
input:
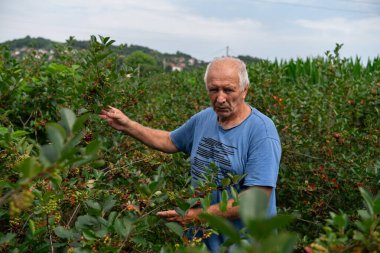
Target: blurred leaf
pixel 367 200
pixel 264 228
pixel 176 228
pixel 235 196
pixel 79 122
pixel 376 206
pixel 32 227
pixel 89 235
pixel 108 204
pixel 111 218
pixel 55 68
pixel 29 168
pixel 283 242
pixel 56 135
pixel 48 155
pixel 144 189
pixel 153 186
pixel 224 201
pixel 18 134
pixel 226 182
pixel 123 226
pixel 253 204
pixel 64 233
pixel 92 148
pixel 68 119
pixel 95 206
pixel 7 238
pixel 85 221
pixel 223 226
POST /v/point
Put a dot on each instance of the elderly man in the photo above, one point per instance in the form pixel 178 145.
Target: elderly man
pixel 231 134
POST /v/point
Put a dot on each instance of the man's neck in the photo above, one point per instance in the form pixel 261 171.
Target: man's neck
pixel 229 123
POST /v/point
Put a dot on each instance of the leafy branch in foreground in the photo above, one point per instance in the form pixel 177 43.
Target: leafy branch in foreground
pixel 48 168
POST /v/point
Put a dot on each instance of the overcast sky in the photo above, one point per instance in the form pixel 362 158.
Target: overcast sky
pixel 267 29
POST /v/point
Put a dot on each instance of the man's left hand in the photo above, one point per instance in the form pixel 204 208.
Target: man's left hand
pixel 190 217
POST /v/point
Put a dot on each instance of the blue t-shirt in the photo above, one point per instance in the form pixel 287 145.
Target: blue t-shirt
pixel 252 148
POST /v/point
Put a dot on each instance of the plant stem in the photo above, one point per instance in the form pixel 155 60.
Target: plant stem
pixel 72 216
pixel 50 236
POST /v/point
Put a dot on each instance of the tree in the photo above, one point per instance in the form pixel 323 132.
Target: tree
pixel 145 64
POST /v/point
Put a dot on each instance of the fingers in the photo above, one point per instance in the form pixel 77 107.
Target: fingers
pixel 167 214
pixel 110 112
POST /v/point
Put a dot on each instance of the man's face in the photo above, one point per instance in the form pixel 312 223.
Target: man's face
pixel 224 91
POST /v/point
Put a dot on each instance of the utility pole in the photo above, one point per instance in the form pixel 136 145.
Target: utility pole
pixel 227 48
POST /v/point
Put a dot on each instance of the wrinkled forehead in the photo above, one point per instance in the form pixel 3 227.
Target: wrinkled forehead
pixel 226 64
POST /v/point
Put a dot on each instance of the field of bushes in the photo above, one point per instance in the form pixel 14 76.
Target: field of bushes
pixel 69 183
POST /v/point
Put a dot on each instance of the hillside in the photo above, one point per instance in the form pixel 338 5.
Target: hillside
pixel 178 61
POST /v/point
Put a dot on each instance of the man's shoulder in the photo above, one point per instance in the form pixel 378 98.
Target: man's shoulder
pixel 262 125
pixel 205 113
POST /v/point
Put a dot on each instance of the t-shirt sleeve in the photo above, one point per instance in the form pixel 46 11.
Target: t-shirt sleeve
pixel 263 163
pixel 183 136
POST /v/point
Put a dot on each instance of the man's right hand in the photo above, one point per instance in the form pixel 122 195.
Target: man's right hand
pixel 153 138
pixel 115 118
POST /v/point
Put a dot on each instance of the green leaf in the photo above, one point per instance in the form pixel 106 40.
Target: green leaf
pixel 92 148
pixel 18 134
pixel 108 204
pixel 253 204
pixel 29 168
pixel 176 228
pixel 367 200
pixel 79 122
pixel 144 189
pixel 206 202
pixel 358 236
pixel 85 221
pixel 93 205
pixel 98 163
pixel 123 226
pixel 339 221
pixel 222 225
pixel 376 206
pixel 56 68
pixel 56 179
pixel 264 228
pixel 64 233
pixel 226 182
pixel 111 218
pixel 153 186
pixel 68 119
pixel 32 227
pixel 48 155
pixel 235 196
pixel 283 242
pixel 7 238
pixel 224 201
pixel 56 135
pixel 89 235
pixel 101 232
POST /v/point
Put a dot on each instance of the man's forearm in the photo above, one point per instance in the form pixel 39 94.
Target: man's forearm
pixel 154 138
pixel 231 213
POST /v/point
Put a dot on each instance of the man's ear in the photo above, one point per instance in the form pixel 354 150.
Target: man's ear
pixel 245 91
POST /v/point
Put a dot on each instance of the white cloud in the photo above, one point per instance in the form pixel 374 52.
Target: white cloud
pixel 168 26
pixel 343 25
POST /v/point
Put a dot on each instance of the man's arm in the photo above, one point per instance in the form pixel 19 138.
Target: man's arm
pixel 154 138
pixel 192 215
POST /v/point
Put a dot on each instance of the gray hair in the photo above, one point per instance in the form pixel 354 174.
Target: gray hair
pixel 243 74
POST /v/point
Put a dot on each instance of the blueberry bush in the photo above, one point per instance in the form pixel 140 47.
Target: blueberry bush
pixel 69 183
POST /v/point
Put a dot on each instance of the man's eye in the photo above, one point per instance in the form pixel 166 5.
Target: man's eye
pixel 228 90
pixel 213 90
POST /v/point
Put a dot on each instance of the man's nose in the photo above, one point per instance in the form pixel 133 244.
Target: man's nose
pixel 221 98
